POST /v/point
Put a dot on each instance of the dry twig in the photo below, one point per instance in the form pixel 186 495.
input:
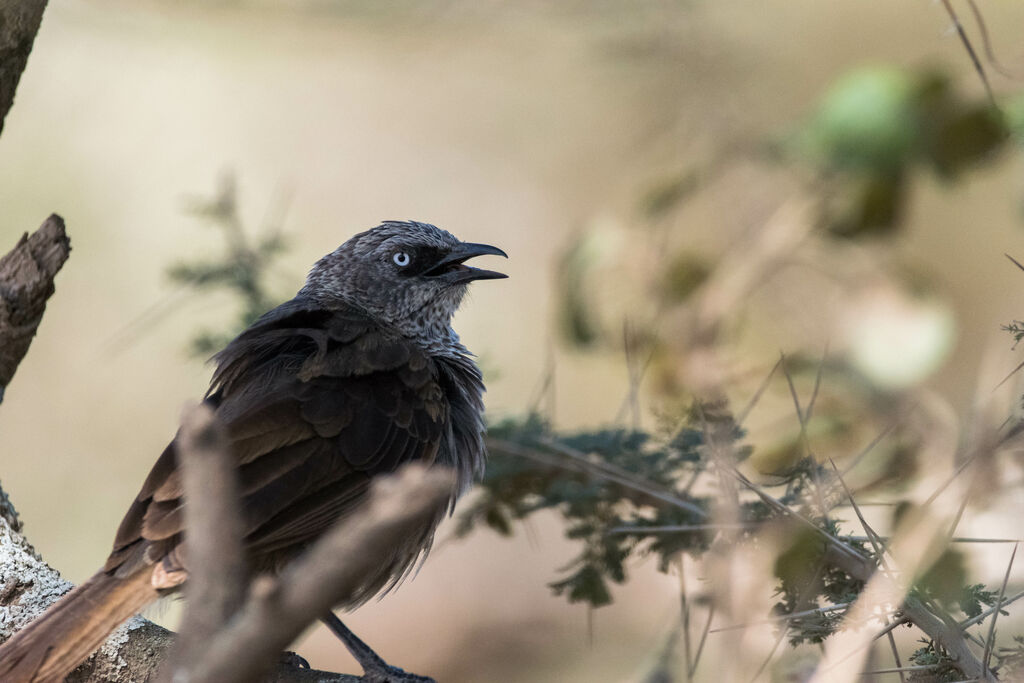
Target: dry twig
pixel 279 609
pixel 218 577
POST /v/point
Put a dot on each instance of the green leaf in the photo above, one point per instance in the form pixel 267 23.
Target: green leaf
pixel 866 121
pixel 586 585
pixel 946 577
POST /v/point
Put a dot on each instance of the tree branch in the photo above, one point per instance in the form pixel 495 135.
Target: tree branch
pixel 26 282
pixel 948 636
pixel 19 23
pixel 279 609
pixel 218 576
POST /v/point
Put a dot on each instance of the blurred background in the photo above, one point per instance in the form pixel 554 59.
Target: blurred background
pixel 621 153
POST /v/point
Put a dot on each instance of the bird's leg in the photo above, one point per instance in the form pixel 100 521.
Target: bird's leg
pixel 375 669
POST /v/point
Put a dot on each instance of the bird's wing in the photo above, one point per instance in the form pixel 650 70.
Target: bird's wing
pixel 315 404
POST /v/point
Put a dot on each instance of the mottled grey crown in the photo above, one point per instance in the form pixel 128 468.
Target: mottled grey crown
pixel 407 275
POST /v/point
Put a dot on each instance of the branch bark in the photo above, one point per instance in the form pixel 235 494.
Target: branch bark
pixel 327 574
pixel 26 282
pixel 218 577
pixel 948 636
pixel 134 652
pixel 19 23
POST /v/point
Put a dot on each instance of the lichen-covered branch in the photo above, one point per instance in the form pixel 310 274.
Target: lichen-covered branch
pixel 134 652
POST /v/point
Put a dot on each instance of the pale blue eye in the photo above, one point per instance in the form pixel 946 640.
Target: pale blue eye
pixel 401 259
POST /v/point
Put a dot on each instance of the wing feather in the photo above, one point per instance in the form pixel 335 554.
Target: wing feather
pixel 315 404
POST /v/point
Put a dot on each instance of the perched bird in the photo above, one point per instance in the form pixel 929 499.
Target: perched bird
pixel 358 374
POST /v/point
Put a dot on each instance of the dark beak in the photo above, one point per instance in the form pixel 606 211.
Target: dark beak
pixel 453 270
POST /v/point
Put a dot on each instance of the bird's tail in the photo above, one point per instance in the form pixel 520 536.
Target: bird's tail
pixel 53 645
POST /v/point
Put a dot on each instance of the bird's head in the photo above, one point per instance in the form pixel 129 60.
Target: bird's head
pixel 409 275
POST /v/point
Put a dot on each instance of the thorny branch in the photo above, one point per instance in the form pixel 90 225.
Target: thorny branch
pixel 932 621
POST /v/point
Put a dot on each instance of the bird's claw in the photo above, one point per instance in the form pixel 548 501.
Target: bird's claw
pixel 294 660
pixel 392 674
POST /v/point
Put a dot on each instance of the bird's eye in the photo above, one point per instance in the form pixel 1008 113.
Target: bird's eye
pixel 401 259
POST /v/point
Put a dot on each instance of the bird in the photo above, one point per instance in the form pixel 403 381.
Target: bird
pixel 356 375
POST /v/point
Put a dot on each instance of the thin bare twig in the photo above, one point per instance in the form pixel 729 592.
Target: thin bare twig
pixel 784 511
pixel 684 608
pixel 678 528
pixel 817 384
pixel 990 639
pixel 895 652
pixel 803 417
pixel 876 543
pixel 987 43
pixel 703 639
pixel 998 606
pixel 955 539
pixel 902 669
pixel 742 416
pixel 892 626
pixel 870 447
pixel 785 617
pixel 781 635
pixel 576 461
pixel 970 51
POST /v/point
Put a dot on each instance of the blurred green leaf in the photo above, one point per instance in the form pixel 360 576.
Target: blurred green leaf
pixel 945 579
pixel 585 585
pixel 667 194
pixel 575 313
pixel 955 132
pixel 684 274
pixel 866 120
pixel 869 203
pixel 974 599
pixel 798 566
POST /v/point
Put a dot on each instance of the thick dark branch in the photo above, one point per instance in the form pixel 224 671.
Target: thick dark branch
pixel 329 573
pixel 26 282
pixel 19 23
pixel 218 577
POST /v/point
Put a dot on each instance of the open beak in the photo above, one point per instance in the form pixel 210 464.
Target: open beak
pixel 452 267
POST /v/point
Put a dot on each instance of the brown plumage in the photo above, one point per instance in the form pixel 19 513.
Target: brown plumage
pixel 358 374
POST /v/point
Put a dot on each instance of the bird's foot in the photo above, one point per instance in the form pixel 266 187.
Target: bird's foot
pixel 375 669
pixel 385 673
pixel 292 659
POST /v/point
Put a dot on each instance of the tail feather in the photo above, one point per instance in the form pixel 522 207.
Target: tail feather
pixel 53 645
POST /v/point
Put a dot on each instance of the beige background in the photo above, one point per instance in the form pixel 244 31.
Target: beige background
pixel 513 124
